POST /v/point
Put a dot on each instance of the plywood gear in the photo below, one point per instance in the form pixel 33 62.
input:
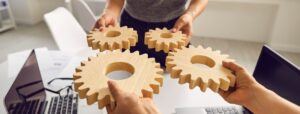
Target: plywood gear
pixel 90 79
pixel 164 39
pixel 112 38
pixel 182 64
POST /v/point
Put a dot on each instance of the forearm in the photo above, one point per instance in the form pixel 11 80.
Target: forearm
pixel 114 6
pixel 265 101
pixel 196 7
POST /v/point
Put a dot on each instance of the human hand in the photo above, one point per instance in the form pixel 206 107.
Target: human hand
pixel 106 19
pixel 129 103
pixel 245 87
pixel 184 24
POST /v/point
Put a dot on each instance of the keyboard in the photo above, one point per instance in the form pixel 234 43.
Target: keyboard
pixel 210 110
pixel 57 105
pixel 222 110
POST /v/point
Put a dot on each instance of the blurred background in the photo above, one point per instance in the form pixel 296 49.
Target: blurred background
pixel 236 27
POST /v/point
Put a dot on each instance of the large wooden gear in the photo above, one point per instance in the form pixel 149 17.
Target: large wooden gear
pixel 164 39
pixel 90 79
pixel 112 38
pixel 182 64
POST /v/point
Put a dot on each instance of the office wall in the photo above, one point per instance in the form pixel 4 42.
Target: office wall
pixel 236 20
pixel 30 12
pixel 286 31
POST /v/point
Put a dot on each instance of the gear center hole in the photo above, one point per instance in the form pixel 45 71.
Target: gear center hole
pixel 166 35
pixel 113 34
pixel 203 61
pixel 119 70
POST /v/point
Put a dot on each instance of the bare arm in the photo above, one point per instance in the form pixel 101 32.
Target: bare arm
pixel 249 93
pixel 110 14
pixel 196 7
pixel 185 22
pixel 114 6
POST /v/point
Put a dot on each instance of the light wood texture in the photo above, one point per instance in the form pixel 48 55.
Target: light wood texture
pixel 182 64
pixel 112 38
pixel 164 39
pixel 90 79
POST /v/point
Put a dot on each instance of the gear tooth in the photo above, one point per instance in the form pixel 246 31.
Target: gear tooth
pixel 145 56
pixel 136 53
pixel 152 43
pixel 157 29
pixel 184 79
pixel 203 84
pixel 175 72
pixel 104 101
pixel 82 90
pixel 127 51
pixel 158 46
pixel 92 97
pixel 158 69
pixel 224 84
pixel 116 46
pixel 218 51
pixel 229 60
pixel 79 69
pixel 194 82
pixel 209 49
pixel 213 85
pixel 166 47
pixel 77 75
pixel 132 41
pixel 225 56
pixel 90 40
pixel 170 64
pixel 165 29
pixel 159 79
pixel 125 44
pixel 95 44
pixel 147 91
pixel 199 46
pixel 155 86
pixel 173 46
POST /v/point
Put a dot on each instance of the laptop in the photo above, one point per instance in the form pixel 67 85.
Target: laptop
pixel 27 95
pixel 274 72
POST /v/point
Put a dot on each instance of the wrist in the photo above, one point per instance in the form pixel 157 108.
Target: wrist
pixel 191 14
pixel 110 11
pixel 257 95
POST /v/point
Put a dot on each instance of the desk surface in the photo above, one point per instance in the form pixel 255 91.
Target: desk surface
pixel 171 96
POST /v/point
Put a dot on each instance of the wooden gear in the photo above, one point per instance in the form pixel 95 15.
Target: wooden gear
pixel 181 64
pixel 112 38
pixel 90 79
pixel 164 39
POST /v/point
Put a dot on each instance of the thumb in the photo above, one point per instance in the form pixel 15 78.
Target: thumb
pixel 114 89
pixel 178 25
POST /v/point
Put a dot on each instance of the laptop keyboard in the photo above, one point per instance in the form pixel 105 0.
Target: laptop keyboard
pixel 222 110
pixel 57 105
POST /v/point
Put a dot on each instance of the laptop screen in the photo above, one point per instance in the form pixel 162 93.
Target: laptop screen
pixel 278 75
pixel 28 84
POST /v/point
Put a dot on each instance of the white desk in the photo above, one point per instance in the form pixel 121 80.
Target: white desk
pixel 172 95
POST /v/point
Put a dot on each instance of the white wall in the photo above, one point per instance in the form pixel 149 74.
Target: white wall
pixel 275 22
pixel 31 12
pixel 286 32
pixel 236 20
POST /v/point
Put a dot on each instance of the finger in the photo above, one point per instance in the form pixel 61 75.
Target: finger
pixel 101 24
pixel 114 89
pixel 232 66
pixel 109 109
pixel 224 94
pixel 178 25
